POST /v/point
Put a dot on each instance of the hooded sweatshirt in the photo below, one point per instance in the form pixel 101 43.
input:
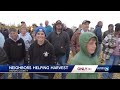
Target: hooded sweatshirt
pixel 42 55
pixel 83 58
pixel 15 49
pixel 27 40
pixel 59 41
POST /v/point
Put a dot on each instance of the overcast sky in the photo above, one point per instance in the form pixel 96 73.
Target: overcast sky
pixel 70 18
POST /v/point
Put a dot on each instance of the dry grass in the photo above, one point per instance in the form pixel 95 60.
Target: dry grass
pixel 115 75
pixel 24 76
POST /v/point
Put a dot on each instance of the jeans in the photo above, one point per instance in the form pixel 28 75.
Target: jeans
pixel 62 61
pixel 114 60
pixel 37 76
pixel 15 75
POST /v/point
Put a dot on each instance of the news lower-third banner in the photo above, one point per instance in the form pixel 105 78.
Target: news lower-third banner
pixel 59 68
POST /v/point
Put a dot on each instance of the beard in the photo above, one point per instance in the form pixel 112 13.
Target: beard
pixel 59 29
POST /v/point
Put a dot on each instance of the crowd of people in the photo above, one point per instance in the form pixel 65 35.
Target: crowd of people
pixel 51 45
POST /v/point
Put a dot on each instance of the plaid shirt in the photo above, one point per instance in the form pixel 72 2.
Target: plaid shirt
pixel 109 42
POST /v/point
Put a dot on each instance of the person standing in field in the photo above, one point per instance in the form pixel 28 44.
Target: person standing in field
pixel 86 56
pixel 15 49
pixel 60 40
pixel 112 50
pixel 75 45
pixel 109 31
pixel 48 28
pixel 41 52
pixel 98 33
pixel 27 40
pixel 70 33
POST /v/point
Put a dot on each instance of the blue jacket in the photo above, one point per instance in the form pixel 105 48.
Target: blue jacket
pixel 98 33
pixel 2 40
pixel 48 29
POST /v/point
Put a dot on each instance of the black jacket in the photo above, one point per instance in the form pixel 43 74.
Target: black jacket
pixel 69 31
pixel 42 55
pixel 60 42
pixel 15 50
pixel 3 58
pixel 5 32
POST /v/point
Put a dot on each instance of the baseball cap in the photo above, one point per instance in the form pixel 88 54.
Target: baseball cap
pixel 86 21
pixel 58 22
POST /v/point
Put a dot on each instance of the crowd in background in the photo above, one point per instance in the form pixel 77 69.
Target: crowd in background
pixel 51 45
